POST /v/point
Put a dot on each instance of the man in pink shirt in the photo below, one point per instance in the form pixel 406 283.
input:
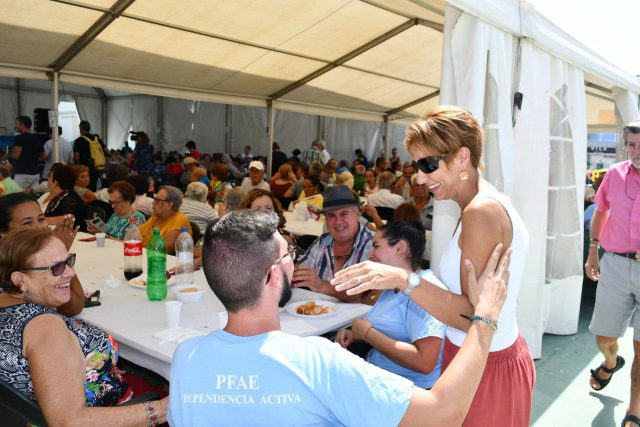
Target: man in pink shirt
pixel 616 227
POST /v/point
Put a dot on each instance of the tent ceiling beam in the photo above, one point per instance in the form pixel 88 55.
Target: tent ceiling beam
pixel 598 87
pixel 434 25
pixel 46 91
pixel 100 93
pixel 347 57
pixel 98 27
pixel 412 103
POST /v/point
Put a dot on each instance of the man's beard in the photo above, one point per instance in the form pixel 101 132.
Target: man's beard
pixel 286 292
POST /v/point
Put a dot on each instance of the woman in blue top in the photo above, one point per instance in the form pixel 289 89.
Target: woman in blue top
pixel 404 338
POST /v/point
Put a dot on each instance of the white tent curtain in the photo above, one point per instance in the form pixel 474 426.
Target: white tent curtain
pixel 90 109
pixel 530 194
pixel 119 121
pixel 294 130
pixel 135 113
pixel 476 74
pixel 202 122
pixel 567 166
pixel 248 127
pixel 31 100
pixel 144 117
pixel 8 111
pixel 626 111
pixel 344 136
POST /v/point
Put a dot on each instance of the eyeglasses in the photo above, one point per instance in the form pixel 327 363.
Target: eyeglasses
pixel 428 164
pixel 115 203
pixel 156 200
pixel 58 268
pixel 292 251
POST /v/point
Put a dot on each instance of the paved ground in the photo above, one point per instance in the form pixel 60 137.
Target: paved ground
pixel 562 396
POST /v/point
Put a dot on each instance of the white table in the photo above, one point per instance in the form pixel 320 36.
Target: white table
pixel 299 228
pixel 131 319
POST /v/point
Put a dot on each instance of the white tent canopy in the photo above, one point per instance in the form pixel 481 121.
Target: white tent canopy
pixel 251 70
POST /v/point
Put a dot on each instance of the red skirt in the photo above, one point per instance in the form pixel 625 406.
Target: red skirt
pixel 506 388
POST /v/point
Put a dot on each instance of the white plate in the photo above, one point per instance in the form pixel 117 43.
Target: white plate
pixel 135 282
pixel 333 308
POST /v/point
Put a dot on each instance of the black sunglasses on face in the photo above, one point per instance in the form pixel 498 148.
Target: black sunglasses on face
pixel 58 268
pixel 428 164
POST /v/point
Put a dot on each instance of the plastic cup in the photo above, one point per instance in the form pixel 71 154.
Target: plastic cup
pixel 173 312
pixel 101 239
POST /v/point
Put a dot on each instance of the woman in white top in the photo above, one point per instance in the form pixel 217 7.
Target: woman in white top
pixel 446 146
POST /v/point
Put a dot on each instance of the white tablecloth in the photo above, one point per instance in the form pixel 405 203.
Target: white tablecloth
pixel 299 228
pixel 131 319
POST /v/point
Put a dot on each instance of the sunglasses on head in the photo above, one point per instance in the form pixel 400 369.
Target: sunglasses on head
pixel 58 268
pixel 428 164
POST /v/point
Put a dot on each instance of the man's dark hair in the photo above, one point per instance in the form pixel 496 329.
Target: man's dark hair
pixel 50 130
pixel 412 233
pixel 25 120
pixel 85 126
pixel 140 183
pixel 237 253
pixel 191 145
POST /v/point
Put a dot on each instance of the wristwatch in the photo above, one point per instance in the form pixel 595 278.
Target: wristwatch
pixel 412 281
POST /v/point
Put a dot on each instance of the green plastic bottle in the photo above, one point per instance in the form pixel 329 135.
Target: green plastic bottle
pixel 156 267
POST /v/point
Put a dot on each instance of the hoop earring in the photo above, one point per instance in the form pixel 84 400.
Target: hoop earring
pixel 463 175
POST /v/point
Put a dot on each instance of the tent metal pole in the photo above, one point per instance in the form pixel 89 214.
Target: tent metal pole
pixel 161 121
pixel 55 81
pixel 270 130
pixel 18 100
pixel 385 137
pixel 228 130
pixel 321 127
pixel 104 109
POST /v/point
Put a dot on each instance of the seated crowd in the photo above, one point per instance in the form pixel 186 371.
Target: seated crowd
pixel 375 211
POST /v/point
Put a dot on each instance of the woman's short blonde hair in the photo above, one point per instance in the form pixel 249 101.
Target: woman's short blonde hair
pixel 445 130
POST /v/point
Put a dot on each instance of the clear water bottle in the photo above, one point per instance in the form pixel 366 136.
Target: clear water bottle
pixel 184 258
pixel 132 251
pixel 156 267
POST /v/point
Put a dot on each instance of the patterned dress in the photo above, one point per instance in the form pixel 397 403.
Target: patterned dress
pixel 103 385
pixel 117 226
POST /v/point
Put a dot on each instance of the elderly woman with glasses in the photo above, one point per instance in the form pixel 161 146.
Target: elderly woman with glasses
pixel 167 217
pixel 121 197
pixel 446 146
pixel 66 365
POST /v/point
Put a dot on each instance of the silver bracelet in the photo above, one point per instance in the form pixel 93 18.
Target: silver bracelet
pixel 152 417
pixel 486 320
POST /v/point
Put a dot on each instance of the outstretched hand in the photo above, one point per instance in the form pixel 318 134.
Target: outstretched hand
pixel 369 275
pixel 66 230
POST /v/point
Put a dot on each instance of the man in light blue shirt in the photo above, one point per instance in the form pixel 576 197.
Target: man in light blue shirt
pixel 250 373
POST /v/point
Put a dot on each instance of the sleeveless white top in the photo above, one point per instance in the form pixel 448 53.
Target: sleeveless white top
pixel 507 331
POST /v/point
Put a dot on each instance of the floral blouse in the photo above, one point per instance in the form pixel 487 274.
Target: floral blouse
pixel 103 385
pixel 117 227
